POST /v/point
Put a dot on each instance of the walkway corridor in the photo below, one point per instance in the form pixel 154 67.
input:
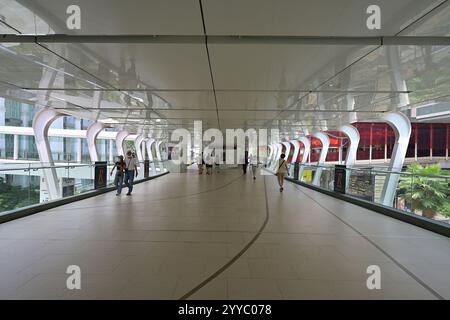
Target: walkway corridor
pixel 223 236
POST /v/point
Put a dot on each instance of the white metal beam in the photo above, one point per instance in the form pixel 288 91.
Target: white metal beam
pixel 353 137
pixel 41 123
pixel 325 140
pixel 120 137
pixel 306 149
pixel 402 130
pixel 91 135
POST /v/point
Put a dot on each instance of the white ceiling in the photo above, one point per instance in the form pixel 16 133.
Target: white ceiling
pixel 226 85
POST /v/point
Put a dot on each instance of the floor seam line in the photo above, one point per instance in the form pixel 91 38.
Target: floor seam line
pixel 237 256
pixel 398 264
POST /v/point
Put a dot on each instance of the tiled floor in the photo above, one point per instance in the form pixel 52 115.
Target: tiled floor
pixel 176 231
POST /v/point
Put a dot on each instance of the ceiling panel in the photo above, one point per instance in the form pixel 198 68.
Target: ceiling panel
pixel 145 66
pixel 277 67
pixel 28 65
pixel 105 16
pixel 308 18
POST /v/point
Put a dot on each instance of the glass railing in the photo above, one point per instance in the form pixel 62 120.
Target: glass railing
pixel 425 195
pixel 24 184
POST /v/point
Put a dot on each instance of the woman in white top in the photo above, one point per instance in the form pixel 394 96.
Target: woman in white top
pixel 282 170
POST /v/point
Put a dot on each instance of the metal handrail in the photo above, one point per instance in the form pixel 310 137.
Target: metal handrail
pixel 383 172
pixel 67 166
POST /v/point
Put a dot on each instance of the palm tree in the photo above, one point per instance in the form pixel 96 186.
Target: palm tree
pixel 423 190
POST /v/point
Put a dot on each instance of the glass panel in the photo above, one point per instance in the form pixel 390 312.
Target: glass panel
pixel 423 140
pixel 439 139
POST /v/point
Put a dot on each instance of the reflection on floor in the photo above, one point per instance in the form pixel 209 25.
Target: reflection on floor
pixel 177 232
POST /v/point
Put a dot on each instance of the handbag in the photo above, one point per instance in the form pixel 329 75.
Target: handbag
pixel 281 164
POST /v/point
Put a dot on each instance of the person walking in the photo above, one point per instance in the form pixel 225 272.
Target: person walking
pixel 282 170
pixel 254 164
pixel 130 171
pixel 209 164
pixel 118 179
pixel 217 161
pixel 245 164
pixel 200 163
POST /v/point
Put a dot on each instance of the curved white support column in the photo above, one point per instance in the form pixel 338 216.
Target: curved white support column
pixel 325 140
pixel 91 136
pixel 353 136
pixel 288 149
pixel 137 146
pixel 274 154
pixel 149 143
pixel 296 150
pixel 269 158
pixel 296 145
pixel 41 123
pixel 158 150
pixel 158 155
pixel 306 149
pixel 120 137
pixel 278 149
pixel 402 130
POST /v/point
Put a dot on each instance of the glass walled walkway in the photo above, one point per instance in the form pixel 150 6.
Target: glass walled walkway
pixel 224 236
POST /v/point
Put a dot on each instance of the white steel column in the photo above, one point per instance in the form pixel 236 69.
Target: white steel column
pixel 158 155
pixel 296 144
pixel 91 135
pixel 149 145
pixel 278 149
pixel 402 130
pixel 306 149
pixel 79 150
pixel 353 136
pixel 111 156
pixel 158 151
pixel 274 154
pixel 121 135
pixel 41 123
pixel 269 158
pixel 295 154
pixel 325 140
pixel 137 145
pixel 16 147
pixel 288 149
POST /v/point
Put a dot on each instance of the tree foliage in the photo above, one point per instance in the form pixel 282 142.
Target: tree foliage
pixel 424 190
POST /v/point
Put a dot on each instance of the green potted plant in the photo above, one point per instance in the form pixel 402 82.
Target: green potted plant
pixel 423 191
